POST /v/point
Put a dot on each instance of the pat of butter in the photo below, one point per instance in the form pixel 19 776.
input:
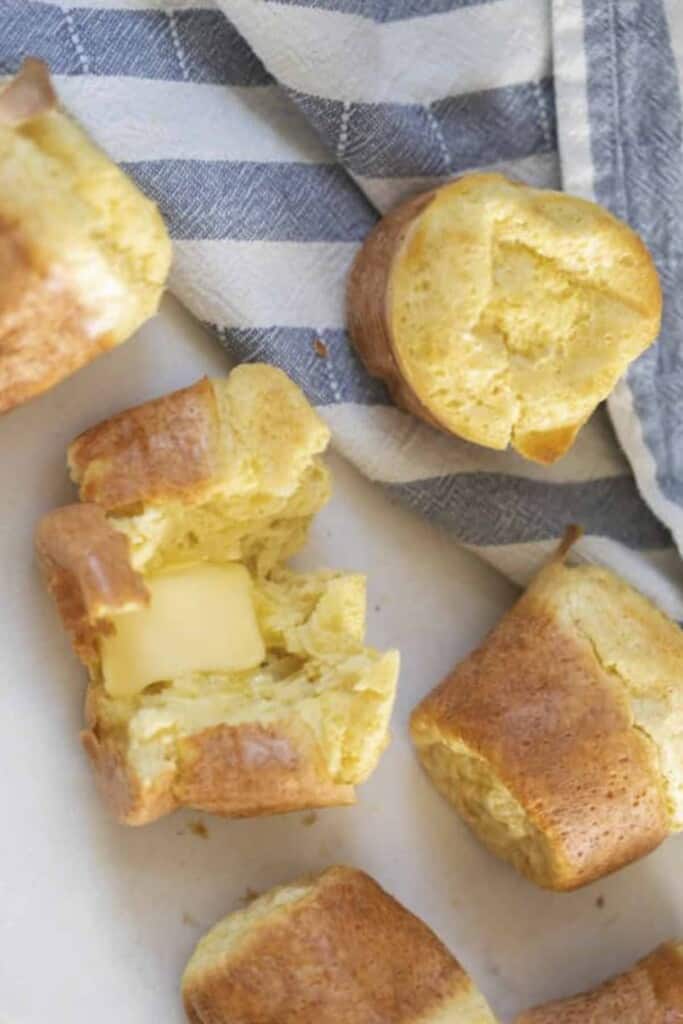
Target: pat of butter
pixel 200 619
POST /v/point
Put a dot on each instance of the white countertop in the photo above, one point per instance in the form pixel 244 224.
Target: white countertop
pixel 98 920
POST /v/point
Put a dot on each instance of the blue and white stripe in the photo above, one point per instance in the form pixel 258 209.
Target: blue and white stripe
pixel 272 133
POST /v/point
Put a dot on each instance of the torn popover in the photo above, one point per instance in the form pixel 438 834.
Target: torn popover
pixel 560 740
pixel 84 254
pixel 219 678
pixel 650 993
pixel 333 949
pixel 502 313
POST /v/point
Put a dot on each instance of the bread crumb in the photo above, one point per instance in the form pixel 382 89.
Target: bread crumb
pixel 198 828
pixel 250 895
pixel 310 818
pixel 600 902
pixel 320 348
pixel 190 920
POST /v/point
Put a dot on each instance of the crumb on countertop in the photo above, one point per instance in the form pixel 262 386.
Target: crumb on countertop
pixel 310 818
pixel 198 828
pixel 190 920
pixel 600 902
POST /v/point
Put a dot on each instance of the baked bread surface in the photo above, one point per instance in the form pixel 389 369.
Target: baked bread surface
pixel 650 993
pixel 559 739
pixel 222 472
pixel 502 313
pixel 84 254
pixel 335 949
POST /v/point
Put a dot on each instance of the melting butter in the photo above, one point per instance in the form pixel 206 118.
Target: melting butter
pixel 200 618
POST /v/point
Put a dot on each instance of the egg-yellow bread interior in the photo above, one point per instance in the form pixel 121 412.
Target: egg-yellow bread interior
pixel 503 313
pixel 220 678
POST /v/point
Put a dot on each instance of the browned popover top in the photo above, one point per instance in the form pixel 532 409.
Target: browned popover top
pixel 345 953
pixel 650 993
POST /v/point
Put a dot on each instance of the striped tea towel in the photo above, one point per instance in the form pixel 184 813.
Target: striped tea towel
pixel 272 132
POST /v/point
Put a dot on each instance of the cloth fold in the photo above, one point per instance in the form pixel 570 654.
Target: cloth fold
pixel 274 132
